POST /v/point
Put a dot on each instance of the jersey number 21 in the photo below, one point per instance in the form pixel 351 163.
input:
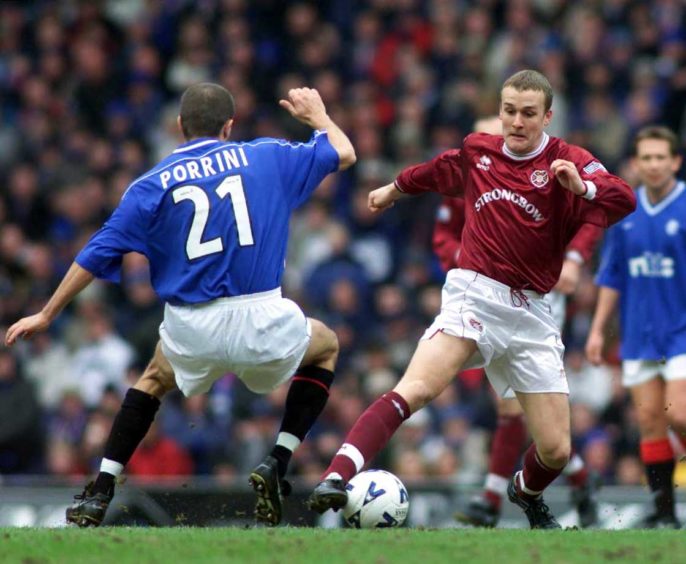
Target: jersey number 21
pixel 195 246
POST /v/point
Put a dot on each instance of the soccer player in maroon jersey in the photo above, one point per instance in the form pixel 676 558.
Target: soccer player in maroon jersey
pixel 483 510
pixel 526 195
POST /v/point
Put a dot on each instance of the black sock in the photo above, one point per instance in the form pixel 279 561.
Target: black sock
pixel 283 457
pixel 104 483
pixel 130 426
pixel 661 482
pixel 306 399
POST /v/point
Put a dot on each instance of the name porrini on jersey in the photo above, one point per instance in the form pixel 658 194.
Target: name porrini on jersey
pixel 212 218
pixel 189 169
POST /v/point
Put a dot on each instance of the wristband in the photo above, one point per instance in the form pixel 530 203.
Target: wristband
pixel 591 190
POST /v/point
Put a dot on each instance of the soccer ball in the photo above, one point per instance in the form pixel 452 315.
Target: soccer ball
pixel 376 498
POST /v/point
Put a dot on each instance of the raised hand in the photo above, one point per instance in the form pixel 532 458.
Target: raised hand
pixel 306 105
pixel 567 175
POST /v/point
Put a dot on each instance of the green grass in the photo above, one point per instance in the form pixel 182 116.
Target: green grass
pixel 401 546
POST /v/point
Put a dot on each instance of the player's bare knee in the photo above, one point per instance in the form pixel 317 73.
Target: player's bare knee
pixel 555 455
pixel 157 380
pixel 324 348
pixel 650 420
pixel 417 394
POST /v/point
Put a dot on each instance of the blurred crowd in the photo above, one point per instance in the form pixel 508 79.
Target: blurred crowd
pixel 88 101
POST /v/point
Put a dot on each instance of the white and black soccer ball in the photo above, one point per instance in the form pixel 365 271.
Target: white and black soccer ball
pixel 376 498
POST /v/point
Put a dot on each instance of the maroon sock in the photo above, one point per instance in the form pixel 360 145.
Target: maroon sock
pixel 578 477
pixel 369 435
pixel 507 445
pixel 535 476
pixel 495 499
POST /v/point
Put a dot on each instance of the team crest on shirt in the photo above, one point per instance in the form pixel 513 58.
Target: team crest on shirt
pixel 476 324
pixel 484 163
pixel 539 178
pixel 672 227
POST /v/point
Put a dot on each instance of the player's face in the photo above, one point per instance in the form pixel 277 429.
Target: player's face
pixel 524 117
pixel 655 163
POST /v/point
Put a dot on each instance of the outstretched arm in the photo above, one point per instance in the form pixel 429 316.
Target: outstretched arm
pixel 306 105
pixel 76 279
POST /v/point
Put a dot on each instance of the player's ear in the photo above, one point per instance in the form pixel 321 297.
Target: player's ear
pixel 676 163
pixel 180 126
pixel 226 130
pixel 547 118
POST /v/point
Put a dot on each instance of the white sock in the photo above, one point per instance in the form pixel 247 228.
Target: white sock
pixel 496 484
pixel 286 440
pixel 574 465
pixel 111 467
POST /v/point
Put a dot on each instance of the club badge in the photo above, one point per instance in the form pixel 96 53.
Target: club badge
pixel 539 178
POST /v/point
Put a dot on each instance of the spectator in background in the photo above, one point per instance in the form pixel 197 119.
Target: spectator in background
pixel 160 455
pixel 22 437
pixel 104 358
pixel 193 425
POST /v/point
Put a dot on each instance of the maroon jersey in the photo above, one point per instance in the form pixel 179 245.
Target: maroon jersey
pixel 518 218
pixel 447 235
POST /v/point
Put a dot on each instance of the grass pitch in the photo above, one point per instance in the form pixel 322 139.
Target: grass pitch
pixel 300 545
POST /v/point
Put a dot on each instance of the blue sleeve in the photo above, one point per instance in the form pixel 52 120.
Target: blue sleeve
pixel 612 272
pixel 124 232
pixel 304 165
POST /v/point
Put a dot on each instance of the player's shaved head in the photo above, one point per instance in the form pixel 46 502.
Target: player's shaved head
pixel 531 80
pixel 205 108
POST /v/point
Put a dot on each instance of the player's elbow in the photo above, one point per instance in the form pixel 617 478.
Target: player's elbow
pixel 346 158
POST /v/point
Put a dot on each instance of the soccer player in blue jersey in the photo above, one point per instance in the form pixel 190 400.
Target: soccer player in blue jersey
pixel 644 270
pixel 212 219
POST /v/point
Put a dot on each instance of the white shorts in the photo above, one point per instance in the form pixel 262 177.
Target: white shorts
pixel 635 372
pixel 558 307
pixel 517 339
pixel 261 338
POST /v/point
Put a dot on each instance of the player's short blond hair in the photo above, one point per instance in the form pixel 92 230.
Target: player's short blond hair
pixel 659 132
pixel 531 80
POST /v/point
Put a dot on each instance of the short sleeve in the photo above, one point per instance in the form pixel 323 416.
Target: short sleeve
pixel 304 165
pixel 124 232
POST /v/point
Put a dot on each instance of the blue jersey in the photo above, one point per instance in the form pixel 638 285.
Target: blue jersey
pixel 212 218
pixel 644 258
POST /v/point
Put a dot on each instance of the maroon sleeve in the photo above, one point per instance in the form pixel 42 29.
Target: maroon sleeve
pixel 614 198
pixel 442 174
pixel 447 235
pixel 585 241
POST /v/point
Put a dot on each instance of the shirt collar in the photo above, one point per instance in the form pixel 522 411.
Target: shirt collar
pixel 195 143
pixel 537 151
